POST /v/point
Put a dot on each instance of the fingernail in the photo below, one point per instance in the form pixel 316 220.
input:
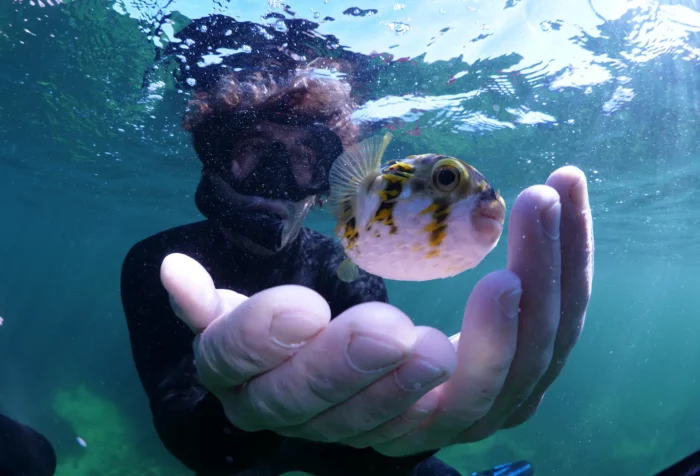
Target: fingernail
pixel 293 329
pixel 550 218
pixel 369 354
pixel 578 193
pixel 415 414
pixel 417 374
pixel 509 303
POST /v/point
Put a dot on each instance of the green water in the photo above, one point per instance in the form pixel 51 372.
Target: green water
pixel 90 164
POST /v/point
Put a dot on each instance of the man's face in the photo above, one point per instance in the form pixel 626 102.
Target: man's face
pixel 262 176
pixel 253 150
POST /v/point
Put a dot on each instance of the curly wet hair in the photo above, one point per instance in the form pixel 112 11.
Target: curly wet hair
pixel 300 93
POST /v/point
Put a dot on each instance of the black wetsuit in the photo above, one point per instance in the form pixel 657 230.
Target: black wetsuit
pixel 190 420
pixel 24 451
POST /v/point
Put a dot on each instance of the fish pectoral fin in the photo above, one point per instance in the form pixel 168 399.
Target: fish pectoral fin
pixel 354 169
pixel 348 271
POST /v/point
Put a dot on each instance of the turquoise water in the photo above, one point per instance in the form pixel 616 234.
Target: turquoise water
pixel 92 159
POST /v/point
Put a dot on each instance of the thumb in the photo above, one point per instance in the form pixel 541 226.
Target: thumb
pixel 193 296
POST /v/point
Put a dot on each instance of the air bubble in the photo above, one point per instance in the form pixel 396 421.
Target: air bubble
pixel 399 27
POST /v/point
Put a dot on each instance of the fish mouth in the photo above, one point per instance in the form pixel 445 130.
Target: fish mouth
pixel 492 210
pixel 489 217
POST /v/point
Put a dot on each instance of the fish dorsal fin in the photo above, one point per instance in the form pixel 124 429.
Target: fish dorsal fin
pixel 355 168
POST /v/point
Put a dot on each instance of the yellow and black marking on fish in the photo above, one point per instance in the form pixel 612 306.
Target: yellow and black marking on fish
pixel 439 211
pixel 394 174
pixel 351 234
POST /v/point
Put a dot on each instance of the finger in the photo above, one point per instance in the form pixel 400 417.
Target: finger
pixel 487 344
pixel 431 363
pixel 534 254
pixel 576 261
pixel 259 334
pixel 576 281
pixel 485 349
pixel 454 339
pixel 193 296
pixel 382 437
pixel 355 350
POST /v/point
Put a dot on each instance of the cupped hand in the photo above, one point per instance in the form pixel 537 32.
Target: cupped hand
pixel 276 361
pixel 370 378
pixel 520 324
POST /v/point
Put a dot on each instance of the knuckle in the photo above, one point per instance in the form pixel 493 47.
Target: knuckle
pixel 538 365
pixel 324 388
pixel 523 414
pixel 323 431
pixel 256 412
pixel 291 405
pixel 228 359
pixel 287 404
pixel 568 338
pixel 316 431
pixel 379 410
pixel 382 406
pixel 498 367
pixel 245 362
pixel 385 434
pixel 516 400
pixel 479 405
pixel 390 430
pixel 477 402
pixel 404 422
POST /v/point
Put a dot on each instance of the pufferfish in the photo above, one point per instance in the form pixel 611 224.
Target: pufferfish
pixel 425 217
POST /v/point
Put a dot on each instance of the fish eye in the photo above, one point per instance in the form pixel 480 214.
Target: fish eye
pixel 446 177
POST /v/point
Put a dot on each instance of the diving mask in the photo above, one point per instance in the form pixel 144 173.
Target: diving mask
pixel 260 179
pixel 268 154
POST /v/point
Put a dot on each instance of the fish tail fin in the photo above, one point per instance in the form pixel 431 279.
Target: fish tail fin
pixel 357 167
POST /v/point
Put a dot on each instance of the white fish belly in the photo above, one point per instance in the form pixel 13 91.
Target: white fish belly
pixel 408 255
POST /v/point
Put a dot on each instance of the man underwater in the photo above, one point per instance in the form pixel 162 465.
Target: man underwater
pixel 257 359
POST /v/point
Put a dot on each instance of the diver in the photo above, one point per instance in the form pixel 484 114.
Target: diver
pixel 258 360
pixel 24 451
